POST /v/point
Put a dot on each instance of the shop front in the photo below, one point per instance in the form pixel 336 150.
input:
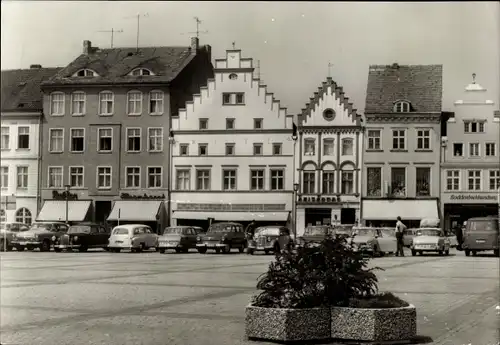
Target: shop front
pixel 148 212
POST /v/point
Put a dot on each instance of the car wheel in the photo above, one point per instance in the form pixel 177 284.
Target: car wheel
pixel 266 251
pixel 467 252
pixel 83 249
pixel 413 253
pixel 474 253
pixel 242 248
pixel 496 252
pixel 117 250
pixel 57 250
pixel 162 251
pixel 217 251
pixel 20 248
pixel 185 250
pixel 177 250
pixel 45 247
pixel 226 249
pixel 440 252
pixel 106 248
pixel 250 251
pixel 447 252
pixel 202 250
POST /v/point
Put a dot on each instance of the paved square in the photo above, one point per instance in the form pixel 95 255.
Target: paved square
pixel 192 299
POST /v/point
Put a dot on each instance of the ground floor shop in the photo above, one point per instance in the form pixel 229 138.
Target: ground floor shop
pixel 326 214
pixel 148 212
pixel 384 212
pixel 21 209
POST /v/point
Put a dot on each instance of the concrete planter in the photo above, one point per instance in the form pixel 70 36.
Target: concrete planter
pixel 285 325
pixel 390 325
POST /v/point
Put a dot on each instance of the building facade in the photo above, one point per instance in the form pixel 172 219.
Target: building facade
pixel 470 167
pixel 106 127
pixel 402 144
pixel 328 159
pixel 232 151
pixel 21 114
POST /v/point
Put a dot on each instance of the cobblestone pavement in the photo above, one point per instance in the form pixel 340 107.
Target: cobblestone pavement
pixel 192 299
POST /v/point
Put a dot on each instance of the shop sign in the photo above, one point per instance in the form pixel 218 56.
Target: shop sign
pixel 469 197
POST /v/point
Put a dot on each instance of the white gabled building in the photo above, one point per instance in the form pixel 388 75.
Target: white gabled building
pixel 232 152
pixel 329 159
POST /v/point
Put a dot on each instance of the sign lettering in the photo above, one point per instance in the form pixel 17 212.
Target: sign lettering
pixel 473 197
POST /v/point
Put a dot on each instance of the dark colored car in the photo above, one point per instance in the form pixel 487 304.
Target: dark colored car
pixel 314 234
pixel 270 239
pixel 222 237
pixel 82 237
pixel 179 238
pixel 39 236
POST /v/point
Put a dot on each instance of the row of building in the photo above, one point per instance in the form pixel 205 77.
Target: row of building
pixel 162 135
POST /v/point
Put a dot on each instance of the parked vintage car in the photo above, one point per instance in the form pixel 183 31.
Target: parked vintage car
pixel 374 241
pixel 430 240
pixel 222 237
pixel 178 238
pixel 270 239
pixel 314 234
pixel 342 229
pixel 82 236
pixel 39 236
pixel 133 237
pixel 7 232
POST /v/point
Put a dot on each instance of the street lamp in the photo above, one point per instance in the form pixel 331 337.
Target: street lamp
pixel 67 187
pixel 171 141
pixel 295 190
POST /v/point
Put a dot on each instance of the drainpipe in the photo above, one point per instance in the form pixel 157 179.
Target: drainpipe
pixel 39 164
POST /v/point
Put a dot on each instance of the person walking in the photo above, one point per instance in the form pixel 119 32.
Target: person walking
pixel 400 228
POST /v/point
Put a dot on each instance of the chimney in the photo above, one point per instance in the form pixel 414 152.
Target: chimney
pixel 35 66
pixel 195 44
pixel 87 47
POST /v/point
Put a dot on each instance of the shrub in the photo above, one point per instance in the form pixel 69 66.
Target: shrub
pixel 379 301
pixel 331 274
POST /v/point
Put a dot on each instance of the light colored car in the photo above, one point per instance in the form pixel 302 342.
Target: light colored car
pixel 178 238
pixel 375 241
pixel 270 239
pixel 135 237
pixel 7 232
pixel 430 240
pixel 408 236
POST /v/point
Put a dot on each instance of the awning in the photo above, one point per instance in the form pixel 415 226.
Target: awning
pixel 55 210
pixel 406 209
pixel 233 216
pixel 135 210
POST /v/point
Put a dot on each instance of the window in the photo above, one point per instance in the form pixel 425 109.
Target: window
pixel 141 71
pixel 494 179
pixel 77 139
pixel 398 182
pixel 347 147
pixel 155 140
pixel 257 179
pixel 203 124
pixel 347 182
pixel 23 137
pixel 226 98
pixel 76 177
pixel 277 149
pixel 309 147
pixel 229 123
pixel 56 140
pixel 474 149
pixel 5 138
pixel 133 139
pixel 23 215
pixel 328 147
pixel 183 180
pixel 106 103
pixel 233 98
pixel 240 98
pixel 156 102
pixel 423 181
pixel 458 149
pixel 155 177
pixel 78 103
pixel 423 139
pixel 474 180
pixel 398 139
pixel 309 182
pixel 57 103
pixel 134 103
pixel 85 73
pixel 133 177
pixel 229 179
pixel 374 139
pixel 490 149
pixel 4 178
pixel 229 149
pixel 328 182
pixel 257 123
pixel 103 177
pixel 184 149
pixel 374 181
pixel 277 179
pixel 329 114
pixel 22 177
pixel 105 143
pixel 55 177
pixel 202 149
pixel 402 107
pixel 203 179
pixel 452 180
pixel 257 149
pixel 474 126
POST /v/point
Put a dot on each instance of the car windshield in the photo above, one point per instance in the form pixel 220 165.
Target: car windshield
pixel 268 232
pixel 316 230
pixel 222 227
pixel 429 232
pixel 365 232
pixel 483 225
pixel 42 226
pixel 82 229
pixel 178 231
pixel 120 231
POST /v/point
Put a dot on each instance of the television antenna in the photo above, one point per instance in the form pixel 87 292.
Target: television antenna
pixel 138 17
pixel 197 32
pixel 112 31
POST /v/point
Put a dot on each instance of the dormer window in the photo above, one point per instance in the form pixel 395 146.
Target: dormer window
pixel 141 71
pixel 85 73
pixel 402 107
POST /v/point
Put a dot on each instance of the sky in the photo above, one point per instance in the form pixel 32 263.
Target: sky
pixel 294 41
